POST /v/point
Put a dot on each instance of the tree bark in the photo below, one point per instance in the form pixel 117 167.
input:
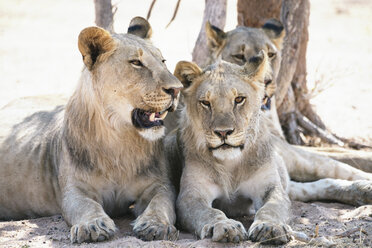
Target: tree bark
pixel 254 13
pixel 292 99
pixel 104 14
pixel 215 13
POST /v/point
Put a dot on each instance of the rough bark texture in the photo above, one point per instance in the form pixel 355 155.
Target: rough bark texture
pixel 292 94
pixel 104 14
pixel 214 12
pixel 254 13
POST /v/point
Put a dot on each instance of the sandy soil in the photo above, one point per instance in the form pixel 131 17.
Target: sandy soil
pixel 38 55
pixel 332 218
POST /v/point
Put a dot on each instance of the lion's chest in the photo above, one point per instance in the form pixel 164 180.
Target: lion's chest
pixel 116 199
pixel 119 188
pixel 257 184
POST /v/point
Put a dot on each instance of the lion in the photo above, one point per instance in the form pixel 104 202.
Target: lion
pixel 240 44
pixel 100 155
pixel 230 160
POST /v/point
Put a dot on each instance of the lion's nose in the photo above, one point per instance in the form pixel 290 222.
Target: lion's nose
pixel 223 133
pixel 172 91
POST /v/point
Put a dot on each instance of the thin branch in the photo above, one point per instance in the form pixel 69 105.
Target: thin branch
pixel 353 144
pixel 351 231
pixel 174 13
pixel 317 131
pixel 150 9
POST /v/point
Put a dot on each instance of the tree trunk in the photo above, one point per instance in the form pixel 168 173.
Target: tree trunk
pixel 104 14
pixel 214 12
pixel 254 13
pixel 291 97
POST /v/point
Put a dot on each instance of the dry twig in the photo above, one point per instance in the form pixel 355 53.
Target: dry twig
pixel 317 131
pixel 150 9
pixel 351 231
pixel 174 13
pixel 316 234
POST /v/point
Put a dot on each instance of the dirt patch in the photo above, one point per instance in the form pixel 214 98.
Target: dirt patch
pixel 332 219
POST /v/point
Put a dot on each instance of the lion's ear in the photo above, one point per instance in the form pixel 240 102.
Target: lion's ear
pixel 215 37
pixel 186 72
pixel 274 29
pixel 95 45
pixel 256 67
pixel 140 27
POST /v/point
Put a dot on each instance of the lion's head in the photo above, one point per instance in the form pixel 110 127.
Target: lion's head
pixel 222 104
pixel 127 76
pixel 239 45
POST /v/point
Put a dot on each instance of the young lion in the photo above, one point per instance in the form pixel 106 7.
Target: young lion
pixel 230 158
pixel 102 152
pixel 240 44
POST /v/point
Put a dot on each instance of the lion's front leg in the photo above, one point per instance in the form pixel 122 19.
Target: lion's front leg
pixel 156 213
pixel 195 212
pixel 199 217
pixel 269 225
pixel 86 216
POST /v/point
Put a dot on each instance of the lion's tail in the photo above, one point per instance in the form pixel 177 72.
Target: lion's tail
pixel 350 192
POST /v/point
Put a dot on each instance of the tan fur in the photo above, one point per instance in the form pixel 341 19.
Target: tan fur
pixel 301 164
pixel 239 45
pixel 218 178
pixel 225 182
pixel 88 160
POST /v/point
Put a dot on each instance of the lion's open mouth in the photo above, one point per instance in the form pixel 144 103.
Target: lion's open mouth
pixel 146 119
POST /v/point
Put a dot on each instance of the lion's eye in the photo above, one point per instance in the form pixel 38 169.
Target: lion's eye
pixel 240 100
pixel 163 60
pixel 136 63
pixel 271 54
pixel 205 103
pixel 239 57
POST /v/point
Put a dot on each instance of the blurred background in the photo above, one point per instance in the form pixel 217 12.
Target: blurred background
pixel 39 54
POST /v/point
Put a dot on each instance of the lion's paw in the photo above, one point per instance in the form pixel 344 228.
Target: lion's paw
pixel 149 229
pixel 362 192
pixel 269 233
pixel 98 229
pixel 225 231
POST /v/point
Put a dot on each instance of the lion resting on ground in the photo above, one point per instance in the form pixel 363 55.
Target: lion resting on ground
pixel 230 160
pixel 240 44
pixel 101 153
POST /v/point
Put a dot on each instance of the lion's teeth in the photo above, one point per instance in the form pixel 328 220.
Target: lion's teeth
pixel 152 117
pixel 163 115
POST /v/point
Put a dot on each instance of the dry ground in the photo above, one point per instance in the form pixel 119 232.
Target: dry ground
pixel 332 218
pixel 39 55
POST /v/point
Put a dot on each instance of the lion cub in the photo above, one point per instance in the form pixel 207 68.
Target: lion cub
pixel 228 155
pixel 101 153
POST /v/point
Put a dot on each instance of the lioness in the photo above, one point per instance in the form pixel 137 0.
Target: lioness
pixel 238 46
pixel 242 43
pixel 101 153
pixel 230 159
